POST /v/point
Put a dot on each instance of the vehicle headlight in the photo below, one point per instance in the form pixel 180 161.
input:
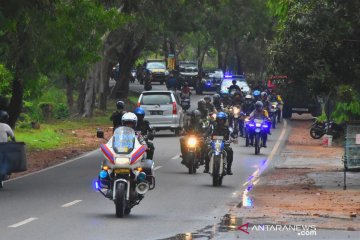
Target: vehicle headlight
pixel 122 161
pixel 166 72
pixel 258 124
pixel 236 111
pixel 192 142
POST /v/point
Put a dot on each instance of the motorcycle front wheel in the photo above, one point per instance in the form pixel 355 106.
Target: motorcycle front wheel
pixel 217 178
pixel 120 201
pixel 191 163
pixel 257 144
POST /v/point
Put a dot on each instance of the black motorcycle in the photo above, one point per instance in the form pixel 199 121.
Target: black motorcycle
pixel 320 128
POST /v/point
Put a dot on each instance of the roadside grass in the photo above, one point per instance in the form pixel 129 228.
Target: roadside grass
pixel 56 134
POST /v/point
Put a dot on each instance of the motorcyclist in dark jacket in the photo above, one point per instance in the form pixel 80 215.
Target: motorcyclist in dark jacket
pixel 209 106
pixel 234 87
pixel 117 115
pixel 248 106
pixel 217 102
pixel 192 127
pixel 221 129
pixel 203 109
pixel 143 126
pixel 237 99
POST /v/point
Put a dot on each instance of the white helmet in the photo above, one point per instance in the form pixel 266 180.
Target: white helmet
pixel 129 117
pixel 248 96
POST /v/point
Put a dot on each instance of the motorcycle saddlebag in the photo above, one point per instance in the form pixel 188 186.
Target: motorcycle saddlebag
pixel 13 156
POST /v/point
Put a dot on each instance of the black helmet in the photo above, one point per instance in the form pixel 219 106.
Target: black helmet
pixel 4 116
pixel 201 104
pixel 195 114
pixel 207 98
pixel 216 97
pixel 120 105
pixel 234 81
pixel 259 105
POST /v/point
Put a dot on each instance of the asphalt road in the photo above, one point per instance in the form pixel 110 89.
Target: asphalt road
pixel 61 203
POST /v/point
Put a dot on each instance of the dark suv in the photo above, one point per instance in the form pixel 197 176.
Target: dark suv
pixel 188 71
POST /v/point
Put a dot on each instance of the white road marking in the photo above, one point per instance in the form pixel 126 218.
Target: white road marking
pixel 22 222
pixel 57 165
pixel 156 168
pixel 176 157
pixel 277 145
pixel 71 203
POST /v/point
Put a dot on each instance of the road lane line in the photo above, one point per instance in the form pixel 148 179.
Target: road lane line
pixel 158 167
pixel 176 157
pixel 23 222
pixel 71 203
pixel 277 145
pixel 51 167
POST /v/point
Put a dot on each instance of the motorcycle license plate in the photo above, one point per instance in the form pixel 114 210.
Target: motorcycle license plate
pixel 257 130
pixel 121 170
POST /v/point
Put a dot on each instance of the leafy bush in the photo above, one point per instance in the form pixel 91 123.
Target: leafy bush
pixel 61 111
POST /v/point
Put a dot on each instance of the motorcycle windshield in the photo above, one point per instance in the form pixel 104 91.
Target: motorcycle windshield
pixel 124 140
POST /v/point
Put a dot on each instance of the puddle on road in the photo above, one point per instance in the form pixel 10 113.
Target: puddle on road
pixel 228 223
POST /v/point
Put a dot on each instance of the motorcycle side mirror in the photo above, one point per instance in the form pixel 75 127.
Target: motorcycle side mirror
pixel 99 133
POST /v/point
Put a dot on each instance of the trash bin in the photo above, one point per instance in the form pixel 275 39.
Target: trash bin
pixel 14 156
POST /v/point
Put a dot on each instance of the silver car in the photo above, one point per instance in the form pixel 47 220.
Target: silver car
pixel 163 110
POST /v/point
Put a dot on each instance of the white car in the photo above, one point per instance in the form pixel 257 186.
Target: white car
pixel 163 110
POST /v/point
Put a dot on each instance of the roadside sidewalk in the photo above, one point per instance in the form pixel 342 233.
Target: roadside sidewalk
pixel 305 187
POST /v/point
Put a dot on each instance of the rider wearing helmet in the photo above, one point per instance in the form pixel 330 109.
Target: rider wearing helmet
pixel 220 129
pixel 248 106
pixel 143 126
pixel 260 113
pixel 116 117
pixel 203 109
pixel 209 106
pixel 217 102
pixel 237 99
pixel 234 87
pixel 192 127
pixel 257 95
pixel 5 133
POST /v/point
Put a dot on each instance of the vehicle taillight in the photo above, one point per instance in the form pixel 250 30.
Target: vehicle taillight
pixel 174 108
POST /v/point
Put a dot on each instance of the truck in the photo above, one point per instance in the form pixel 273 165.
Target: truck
pixel 297 97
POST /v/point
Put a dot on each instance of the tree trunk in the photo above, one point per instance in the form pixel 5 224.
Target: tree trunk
pixel 201 53
pixel 104 83
pixel 69 93
pixel 127 60
pixel 81 97
pixel 90 93
pixel 16 101
pixel 238 58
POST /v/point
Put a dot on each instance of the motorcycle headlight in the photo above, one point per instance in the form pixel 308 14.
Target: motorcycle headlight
pixel 166 72
pixel 192 142
pixel 122 161
pixel 236 111
pixel 258 124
